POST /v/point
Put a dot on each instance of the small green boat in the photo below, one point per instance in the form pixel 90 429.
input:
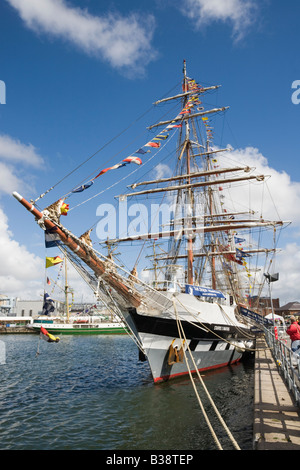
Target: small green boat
pixel 79 327
pixel 66 324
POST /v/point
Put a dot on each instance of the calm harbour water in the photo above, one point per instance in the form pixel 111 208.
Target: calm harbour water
pixel 92 393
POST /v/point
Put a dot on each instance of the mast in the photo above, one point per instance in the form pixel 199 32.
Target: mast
pixel 187 93
pixel 194 185
pixel 218 253
pixel 189 191
pixel 213 259
pixel 197 174
pixel 211 211
pixel 192 116
pixel 66 292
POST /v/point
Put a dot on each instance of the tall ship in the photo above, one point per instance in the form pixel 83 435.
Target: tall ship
pixel 199 264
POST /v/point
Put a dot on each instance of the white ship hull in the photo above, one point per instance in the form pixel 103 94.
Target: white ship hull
pixel 213 343
pixel 207 355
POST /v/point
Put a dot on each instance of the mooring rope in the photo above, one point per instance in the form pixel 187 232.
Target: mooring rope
pixel 195 389
pixel 181 331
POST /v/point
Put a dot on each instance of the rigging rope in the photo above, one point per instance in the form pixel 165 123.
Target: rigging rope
pixel 95 153
pixel 92 156
pixel 126 176
pixel 181 332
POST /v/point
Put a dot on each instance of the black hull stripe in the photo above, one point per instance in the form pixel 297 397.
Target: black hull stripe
pixel 168 327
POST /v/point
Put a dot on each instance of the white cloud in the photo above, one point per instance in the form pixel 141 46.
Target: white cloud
pixel 15 151
pixel 15 156
pixel 240 13
pixel 8 180
pixel 20 270
pixel 125 42
pixel 22 273
pixel 277 198
pixel 162 171
pixel 288 266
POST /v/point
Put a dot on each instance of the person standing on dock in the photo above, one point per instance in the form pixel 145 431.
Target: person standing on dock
pixel 294 333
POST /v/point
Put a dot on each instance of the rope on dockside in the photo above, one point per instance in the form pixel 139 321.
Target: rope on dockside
pixel 181 333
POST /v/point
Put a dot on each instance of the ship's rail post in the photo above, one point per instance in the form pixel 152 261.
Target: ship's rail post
pixel 287 361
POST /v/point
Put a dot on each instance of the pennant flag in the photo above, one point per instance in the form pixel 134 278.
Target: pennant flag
pixel 153 144
pixel 50 261
pixel 64 208
pixel 48 281
pixel 48 305
pixel 52 239
pixel 170 126
pixel 48 337
pixel 185 111
pixel 161 137
pixel 240 254
pixel 110 168
pixel 83 187
pixel 239 240
pixel 142 151
pixel 229 256
pixel 136 160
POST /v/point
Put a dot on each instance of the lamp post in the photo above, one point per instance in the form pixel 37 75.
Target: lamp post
pixel 271 278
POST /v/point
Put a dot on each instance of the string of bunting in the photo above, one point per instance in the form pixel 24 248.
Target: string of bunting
pixel 155 143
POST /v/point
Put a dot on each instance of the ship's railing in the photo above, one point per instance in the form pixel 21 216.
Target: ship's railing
pixel 178 286
pixel 255 317
pixel 287 360
pixel 164 285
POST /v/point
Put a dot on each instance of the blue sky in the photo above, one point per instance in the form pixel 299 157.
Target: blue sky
pixel 78 72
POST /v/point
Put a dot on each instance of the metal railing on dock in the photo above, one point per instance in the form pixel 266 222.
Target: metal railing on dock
pixel 279 343
pixel 287 360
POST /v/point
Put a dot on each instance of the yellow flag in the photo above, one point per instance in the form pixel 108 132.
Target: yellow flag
pixel 53 261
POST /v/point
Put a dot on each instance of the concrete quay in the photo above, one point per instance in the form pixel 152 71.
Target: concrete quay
pixel 15 330
pixel 276 416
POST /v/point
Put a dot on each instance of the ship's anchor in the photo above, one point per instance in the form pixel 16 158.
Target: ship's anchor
pixel 175 354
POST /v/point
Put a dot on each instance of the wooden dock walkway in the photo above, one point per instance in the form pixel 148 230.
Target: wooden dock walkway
pixel 276 416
